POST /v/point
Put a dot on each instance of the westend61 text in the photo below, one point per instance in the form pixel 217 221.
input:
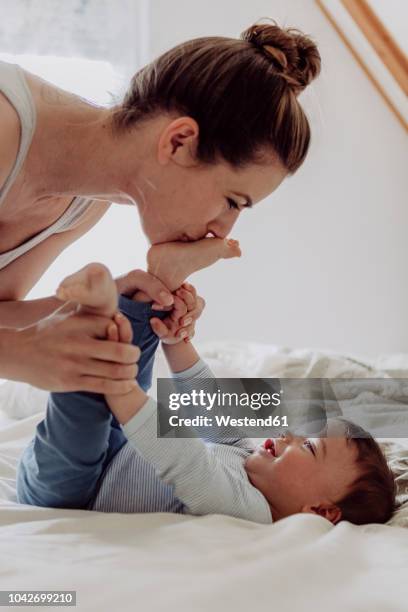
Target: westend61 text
pixel 227 421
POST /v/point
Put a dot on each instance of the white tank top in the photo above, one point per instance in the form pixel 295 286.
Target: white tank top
pixel 14 86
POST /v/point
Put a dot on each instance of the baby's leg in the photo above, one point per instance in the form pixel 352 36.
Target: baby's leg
pixel 139 315
pixel 62 467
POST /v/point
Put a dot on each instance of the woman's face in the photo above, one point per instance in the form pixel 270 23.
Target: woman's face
pixel 180 199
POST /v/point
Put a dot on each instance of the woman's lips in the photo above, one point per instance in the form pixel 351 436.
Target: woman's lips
pixel 269 445
pixel 186 238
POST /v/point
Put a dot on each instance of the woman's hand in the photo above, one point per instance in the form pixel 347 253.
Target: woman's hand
pixel 66 352
pixel 180 324
pixel 141 282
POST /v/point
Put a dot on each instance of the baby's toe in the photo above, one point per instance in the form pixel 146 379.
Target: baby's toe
pixel 232 248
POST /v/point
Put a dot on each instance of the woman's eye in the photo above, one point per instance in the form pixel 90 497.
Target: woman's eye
pixel 232 204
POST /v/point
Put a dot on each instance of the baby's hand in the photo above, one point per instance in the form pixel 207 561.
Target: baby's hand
pixel 180 324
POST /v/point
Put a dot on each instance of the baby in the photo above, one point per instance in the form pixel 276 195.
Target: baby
pixel 103 453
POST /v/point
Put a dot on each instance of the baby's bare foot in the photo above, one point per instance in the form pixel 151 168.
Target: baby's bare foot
pixel 173 262
pixel 93 288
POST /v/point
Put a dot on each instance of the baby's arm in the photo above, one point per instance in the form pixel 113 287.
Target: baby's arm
pixel 173 329
pixel 189 371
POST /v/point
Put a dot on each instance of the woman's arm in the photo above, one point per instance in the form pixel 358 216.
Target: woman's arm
pixel 24 313
pixel 66 352
pixel 21 313
pixel 43 345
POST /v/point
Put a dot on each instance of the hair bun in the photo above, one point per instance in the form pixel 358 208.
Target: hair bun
pixel 293 54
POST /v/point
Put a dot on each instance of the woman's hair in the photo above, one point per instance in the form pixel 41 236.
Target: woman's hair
pixel 242 93
pixel 371 497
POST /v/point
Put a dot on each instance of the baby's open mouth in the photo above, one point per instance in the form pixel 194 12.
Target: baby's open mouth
pixel 269 445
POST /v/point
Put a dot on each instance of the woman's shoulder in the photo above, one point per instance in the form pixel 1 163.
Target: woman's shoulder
pixel 10 137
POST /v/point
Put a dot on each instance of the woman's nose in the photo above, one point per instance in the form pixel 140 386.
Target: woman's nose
pixel 222 225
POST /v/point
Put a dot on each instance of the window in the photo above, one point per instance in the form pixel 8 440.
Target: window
pixel 92 48
pixel 375 33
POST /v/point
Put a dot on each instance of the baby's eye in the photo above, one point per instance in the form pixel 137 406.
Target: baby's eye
pixel 310 446
pixel 232 204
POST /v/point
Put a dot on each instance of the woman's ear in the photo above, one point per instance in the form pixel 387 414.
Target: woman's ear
pixel 330 512
pixel 178 142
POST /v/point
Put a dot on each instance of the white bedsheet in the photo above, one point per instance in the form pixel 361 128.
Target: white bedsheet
pixel 162 561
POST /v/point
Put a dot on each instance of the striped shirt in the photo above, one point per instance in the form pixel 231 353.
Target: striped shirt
pixel 189 475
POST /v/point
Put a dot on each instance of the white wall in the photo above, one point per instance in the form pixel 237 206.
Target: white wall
pixel 325 257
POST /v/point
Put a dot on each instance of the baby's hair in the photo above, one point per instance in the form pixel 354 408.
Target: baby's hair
pixel 242 93
pixel 371 497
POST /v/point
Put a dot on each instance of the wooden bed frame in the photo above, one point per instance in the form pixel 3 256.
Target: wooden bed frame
pixel 382 60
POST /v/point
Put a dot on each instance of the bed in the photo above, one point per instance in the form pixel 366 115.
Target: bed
pixel 163 561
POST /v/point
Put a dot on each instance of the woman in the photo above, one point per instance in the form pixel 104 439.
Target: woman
pixel 209 128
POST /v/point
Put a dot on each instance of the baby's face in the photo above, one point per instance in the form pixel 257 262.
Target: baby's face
pixel 298 474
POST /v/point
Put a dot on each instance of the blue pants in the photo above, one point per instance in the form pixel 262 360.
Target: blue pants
pixel 79 436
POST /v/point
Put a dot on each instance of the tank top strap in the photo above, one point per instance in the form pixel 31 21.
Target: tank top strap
pixel 13 85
